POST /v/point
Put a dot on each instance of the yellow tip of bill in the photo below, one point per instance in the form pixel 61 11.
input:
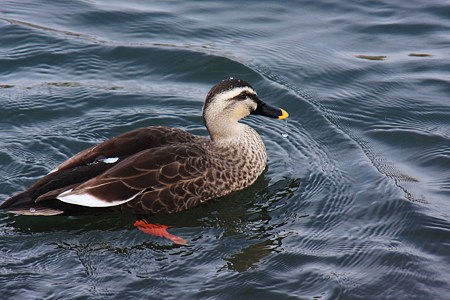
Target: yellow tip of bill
pixel 284 114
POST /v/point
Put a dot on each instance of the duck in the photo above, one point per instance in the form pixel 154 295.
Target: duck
pixel 159 169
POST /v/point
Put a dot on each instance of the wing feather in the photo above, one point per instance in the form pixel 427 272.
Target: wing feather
pixel 152 170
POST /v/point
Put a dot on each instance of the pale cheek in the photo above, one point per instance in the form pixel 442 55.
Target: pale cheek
pixel 240 112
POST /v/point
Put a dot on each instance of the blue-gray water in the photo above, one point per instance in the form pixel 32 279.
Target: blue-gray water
pixel 354 204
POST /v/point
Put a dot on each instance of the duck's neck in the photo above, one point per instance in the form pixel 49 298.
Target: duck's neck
pixel 225 132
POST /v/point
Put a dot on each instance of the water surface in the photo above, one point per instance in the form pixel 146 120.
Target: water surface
pixel 354 204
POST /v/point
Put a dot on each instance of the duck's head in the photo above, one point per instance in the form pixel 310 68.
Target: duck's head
pixel 231 100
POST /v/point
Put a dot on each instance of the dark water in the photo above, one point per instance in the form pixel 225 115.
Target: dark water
pixel 354 205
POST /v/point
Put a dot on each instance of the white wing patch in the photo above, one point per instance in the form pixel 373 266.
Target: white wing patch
pixel 109 160
pixel 88 200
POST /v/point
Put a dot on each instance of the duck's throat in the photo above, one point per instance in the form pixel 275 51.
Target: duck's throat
pixel 224 132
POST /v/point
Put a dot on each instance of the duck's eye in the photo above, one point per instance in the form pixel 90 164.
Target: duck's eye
pixel 241 96
pixel 245 95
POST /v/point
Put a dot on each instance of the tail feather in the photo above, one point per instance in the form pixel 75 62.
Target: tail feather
pixel 20 199
pixel 24 204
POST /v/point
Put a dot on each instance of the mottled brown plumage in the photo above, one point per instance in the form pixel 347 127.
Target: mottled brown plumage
pixel 159 169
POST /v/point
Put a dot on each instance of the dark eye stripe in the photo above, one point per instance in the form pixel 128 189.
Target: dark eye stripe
pixel 244 95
